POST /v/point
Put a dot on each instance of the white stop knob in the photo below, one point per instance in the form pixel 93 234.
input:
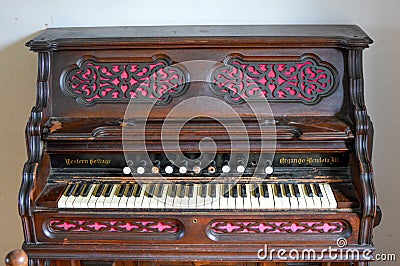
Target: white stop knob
pixel 240 169
pixel 182 170
pixel 226 168
pixel 169 169
pixel 126 170
pixel 269 170
pixel 140 170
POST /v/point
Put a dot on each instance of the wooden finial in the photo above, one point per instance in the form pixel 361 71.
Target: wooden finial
pixel 17 257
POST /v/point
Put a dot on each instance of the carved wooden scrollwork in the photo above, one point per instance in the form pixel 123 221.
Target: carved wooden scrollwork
pixel 304 79
pixel 115 80
pixel 275 227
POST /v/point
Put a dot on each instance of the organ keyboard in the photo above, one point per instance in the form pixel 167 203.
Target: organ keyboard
pixel 198 196
pixel 197 145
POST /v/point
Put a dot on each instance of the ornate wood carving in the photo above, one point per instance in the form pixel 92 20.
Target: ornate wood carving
pixel 274 227
pixel 304 79
pixel 114 80
pixel 363 144
pixel 132 226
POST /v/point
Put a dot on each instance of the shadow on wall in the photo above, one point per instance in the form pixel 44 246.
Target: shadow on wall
pixel 18 68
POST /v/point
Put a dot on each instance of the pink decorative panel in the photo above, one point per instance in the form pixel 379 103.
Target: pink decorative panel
pixel 134 226
pixel 93 80
pixel 306 80
pixel 284 227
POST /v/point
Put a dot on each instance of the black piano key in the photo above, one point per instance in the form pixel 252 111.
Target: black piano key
pixel 318 190
pixel 172 191
pixel 181 191
pixel 78 190
pixel 296 190
pixel 243 191
pixel 309 190
pixel 265 192
pixel 189 190
pixel 138 190
pixel 108 191
pixel 160 190
pixel 278 191
pixel 234 191
pixel 287 190
pixel 203 190
pixel 99 190
pixel 130 190
pixel 226 191
pixel 70 189
pixel 87 189
pixel 256 191
pixel 121 190
pixel 149 191
pixel 213 191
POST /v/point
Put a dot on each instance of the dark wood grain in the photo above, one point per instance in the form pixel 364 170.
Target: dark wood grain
pixel 61 124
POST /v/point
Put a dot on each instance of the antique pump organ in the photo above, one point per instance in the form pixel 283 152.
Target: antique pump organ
pixel 268 143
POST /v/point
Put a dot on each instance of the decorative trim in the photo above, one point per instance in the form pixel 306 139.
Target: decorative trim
pixel 115 80
pixel 275 227
pixel 364 132
pixel 304 79
pixel 33 135
pixel 115 226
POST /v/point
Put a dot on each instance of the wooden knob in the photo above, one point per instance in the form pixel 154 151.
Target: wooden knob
pixel 17 257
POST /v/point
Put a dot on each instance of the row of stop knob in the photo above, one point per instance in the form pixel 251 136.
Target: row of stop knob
pixel 171 168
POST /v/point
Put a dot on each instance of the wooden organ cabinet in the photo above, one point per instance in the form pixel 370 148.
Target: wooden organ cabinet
pixel 199 145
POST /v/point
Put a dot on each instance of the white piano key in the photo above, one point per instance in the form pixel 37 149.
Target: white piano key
pixel 247 200
pixel 199 199
pixel 122 204
pixel 178 200
pixel 239 204
pixel 114 202
pixel 255 203
pixel 216 199
pixel 130 204
pixel 301 199
pixel 266 202
pixel 192 200
pixel 85 200
pixel 69 203
pixel 331 196
pixel 169 201
pixel 277 200
pixel 154 200
pixel 309 200
pixel 100 200
pixel 316 199
pixel 139 199
pixel 93 199
pixel 63 199
pixel 294 203
pixel 78 199
pixel 208 200
pixel 163 199
pixel 108 200
pixel 223 201
pixel 285 199
pixel 324 199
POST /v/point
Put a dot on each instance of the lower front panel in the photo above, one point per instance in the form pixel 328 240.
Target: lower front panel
pixel 197 228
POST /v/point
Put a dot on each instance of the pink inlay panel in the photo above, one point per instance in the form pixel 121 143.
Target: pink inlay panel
pixel 93 81
pixel 148 226
pixel 265 227
pixel 305 81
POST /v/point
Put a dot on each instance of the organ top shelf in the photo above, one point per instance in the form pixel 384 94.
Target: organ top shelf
pixel 201 36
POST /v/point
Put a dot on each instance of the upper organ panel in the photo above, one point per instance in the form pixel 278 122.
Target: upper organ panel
pixel 302 79
pixel 93 80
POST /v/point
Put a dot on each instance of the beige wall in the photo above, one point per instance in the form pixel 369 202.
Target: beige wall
pixel 20 20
